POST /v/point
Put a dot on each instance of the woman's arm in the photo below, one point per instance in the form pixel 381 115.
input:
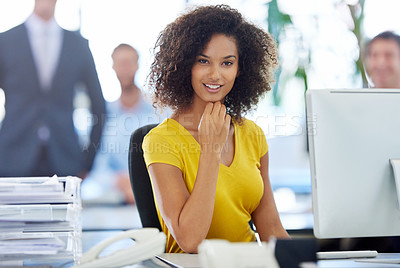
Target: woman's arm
pixel 188 216
pixel 266 217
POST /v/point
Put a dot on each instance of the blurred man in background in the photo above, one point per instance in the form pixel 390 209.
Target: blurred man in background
pixel 382 61
pixel 40 66
pixel 124 116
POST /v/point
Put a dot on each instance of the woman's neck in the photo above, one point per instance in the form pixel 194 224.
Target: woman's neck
pixel 190 117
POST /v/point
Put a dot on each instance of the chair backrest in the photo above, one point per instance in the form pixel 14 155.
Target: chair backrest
pixel 140 180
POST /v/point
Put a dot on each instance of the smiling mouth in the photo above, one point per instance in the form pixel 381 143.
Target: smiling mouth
pixel 213 87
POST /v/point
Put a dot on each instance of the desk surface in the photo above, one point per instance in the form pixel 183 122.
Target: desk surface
pixel 192 261
pixel 90 238
pixel 102 222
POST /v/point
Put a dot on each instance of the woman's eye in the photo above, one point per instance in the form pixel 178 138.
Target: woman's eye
pixel 202 61
pixel 228 63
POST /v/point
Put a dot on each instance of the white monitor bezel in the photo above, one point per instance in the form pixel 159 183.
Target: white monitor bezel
pixel 339 122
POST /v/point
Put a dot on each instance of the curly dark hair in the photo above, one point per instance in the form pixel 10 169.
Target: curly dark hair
pixel 183 40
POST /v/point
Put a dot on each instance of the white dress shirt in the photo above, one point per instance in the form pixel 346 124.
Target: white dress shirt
pixel 46 39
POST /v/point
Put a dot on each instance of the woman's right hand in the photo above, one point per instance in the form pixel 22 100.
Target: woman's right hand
pixel 214 128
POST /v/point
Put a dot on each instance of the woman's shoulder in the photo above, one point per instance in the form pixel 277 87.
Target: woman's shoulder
pixel 252 137
pixel 167 126
pixel 166 129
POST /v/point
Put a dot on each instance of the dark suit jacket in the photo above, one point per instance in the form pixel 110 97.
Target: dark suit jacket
pixel 28 107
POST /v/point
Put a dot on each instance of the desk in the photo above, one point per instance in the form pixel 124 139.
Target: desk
pixel 102 222
pixel 90 238
pixel 184 261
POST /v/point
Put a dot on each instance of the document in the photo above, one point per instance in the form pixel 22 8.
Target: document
pixel 34 243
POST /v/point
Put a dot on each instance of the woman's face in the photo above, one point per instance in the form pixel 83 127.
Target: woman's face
pixel 215 69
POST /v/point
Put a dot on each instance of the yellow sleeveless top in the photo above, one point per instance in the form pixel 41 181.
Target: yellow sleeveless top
pixel 239 187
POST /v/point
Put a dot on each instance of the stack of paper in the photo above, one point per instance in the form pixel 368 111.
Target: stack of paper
pixel 40 190
pixel 40 218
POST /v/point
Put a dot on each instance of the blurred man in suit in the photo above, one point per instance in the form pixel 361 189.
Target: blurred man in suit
pixel 382 60
pixel 40 66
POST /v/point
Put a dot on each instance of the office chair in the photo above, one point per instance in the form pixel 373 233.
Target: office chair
pixel 140 180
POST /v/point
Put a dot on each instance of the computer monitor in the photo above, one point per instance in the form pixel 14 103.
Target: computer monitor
pixel 352 136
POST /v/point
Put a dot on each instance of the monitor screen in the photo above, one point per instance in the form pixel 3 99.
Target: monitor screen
pixel 352 136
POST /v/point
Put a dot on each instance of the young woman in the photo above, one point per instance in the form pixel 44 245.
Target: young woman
pixel 208 165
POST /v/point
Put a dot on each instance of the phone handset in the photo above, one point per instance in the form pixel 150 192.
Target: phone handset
pixel 148 243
